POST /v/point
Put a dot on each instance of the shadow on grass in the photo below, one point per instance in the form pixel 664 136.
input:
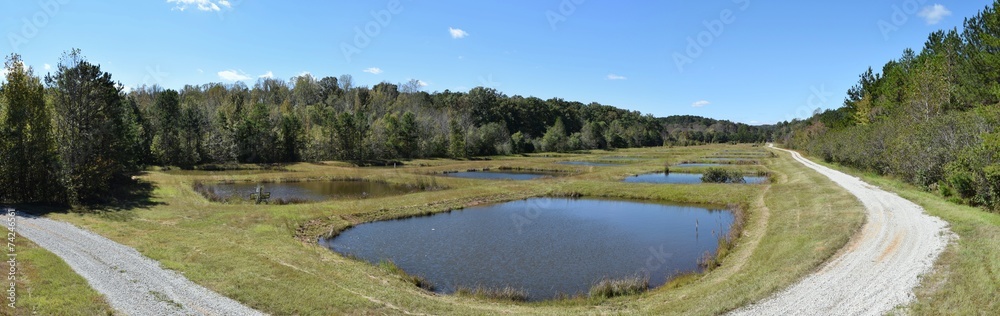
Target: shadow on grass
pixel 119 204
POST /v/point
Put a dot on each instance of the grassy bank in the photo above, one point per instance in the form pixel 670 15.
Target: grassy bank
pixel 966 278
pixel 265 255
pixel 47 286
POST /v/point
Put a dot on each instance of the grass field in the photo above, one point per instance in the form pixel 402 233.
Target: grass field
pixel 265 255
pixel 966 278
pixel 47 286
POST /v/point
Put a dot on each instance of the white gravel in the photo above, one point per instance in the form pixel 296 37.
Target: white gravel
pixel 878 270
pixel 131 283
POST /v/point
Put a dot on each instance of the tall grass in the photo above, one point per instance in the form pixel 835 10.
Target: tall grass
pixel 506 293
pixel 417 281
pixel 608 288
pixel 708 261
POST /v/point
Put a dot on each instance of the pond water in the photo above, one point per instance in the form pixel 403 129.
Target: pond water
pixel 545 246
pixel 312 191
pixel 502 175
pixel 681 178
pixel 589 163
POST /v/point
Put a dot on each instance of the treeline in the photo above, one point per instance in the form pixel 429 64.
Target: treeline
pixel 76 136
pixel 309 119
pixel 930 118
pixel 69 140
pixel 686 130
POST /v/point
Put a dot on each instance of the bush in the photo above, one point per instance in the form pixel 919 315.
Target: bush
pixel 719 175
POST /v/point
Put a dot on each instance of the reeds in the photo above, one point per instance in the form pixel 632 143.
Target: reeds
pixel 506 293
pixel 608 288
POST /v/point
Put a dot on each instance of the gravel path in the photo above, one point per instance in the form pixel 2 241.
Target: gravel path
pixel 132 283
pixel 878 270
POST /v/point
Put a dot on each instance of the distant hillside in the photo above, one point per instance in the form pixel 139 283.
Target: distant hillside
pixel 690 129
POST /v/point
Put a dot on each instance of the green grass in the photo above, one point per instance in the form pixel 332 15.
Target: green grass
pixel 47 286
pixel 506 293
pixel 966 277
pixel 266 256
pixel 608 288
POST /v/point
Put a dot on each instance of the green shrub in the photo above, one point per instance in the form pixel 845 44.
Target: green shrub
pixel 719 175
pixel 963 183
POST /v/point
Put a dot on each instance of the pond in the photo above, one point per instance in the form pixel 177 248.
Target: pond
pixel 589 164
pixel 311 191
pixel 502 175
pixel 545 246
pixel 681 178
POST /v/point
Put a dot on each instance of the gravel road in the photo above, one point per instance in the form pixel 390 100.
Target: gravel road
pixel 878 270
pixel 132 283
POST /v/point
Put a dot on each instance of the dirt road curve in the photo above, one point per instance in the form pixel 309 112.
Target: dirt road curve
pixel 132 283
pixel 879 268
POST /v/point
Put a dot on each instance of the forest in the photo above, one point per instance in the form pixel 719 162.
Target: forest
pixel 71 136
pixel 930 118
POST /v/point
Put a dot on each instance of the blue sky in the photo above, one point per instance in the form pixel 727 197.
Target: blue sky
pixel 749 61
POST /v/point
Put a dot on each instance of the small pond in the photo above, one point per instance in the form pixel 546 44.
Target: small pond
pixel 502 175
pixel 681 178
pixel 589 163
pixel 545 246
pixel 311 191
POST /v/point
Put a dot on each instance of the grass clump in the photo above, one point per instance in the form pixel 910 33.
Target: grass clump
pixel 506 293
pixel 417 281
pixel 608 288
pixel 719 175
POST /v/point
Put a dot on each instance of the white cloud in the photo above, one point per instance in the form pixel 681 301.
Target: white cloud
pixel 700 103
pixel 202 5
pixel 457 33
pixel 268 75
pixel 200 71
pixel 616 77
pixel 422 84
pixel 934 13
pixel 303 74
pixel 373 70
pixel 233 75
pixel 47 67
